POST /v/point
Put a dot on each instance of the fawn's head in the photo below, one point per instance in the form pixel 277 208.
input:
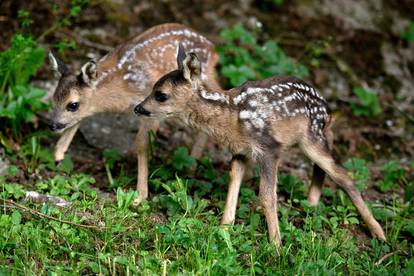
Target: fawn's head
pixel 172 92
pixel 72 98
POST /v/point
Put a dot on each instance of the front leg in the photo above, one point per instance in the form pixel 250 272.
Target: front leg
pixel 64 142
pixel 236 177
pixel 142 140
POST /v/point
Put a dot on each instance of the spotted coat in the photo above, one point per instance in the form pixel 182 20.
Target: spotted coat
pixel 277 98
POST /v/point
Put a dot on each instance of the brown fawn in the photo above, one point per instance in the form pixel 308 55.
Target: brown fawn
pixel 261 119
pixel 122 78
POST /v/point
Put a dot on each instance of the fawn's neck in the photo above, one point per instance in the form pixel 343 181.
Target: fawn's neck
pixel 211 111
pixel 115 92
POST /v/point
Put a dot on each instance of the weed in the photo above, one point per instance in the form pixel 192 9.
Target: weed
pixel 111 156
pixel 243 58
pixel 393 176
pixel 409 33
pixel 24 18
pixel 125 199
pixel 367 104
pixel 182 159
pixel 277 2
pixel 20 101
pixel 359 170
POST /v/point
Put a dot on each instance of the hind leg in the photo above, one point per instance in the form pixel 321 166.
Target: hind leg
pixel 268 197
pixel 322 157
pixel 318 175
pixel 315 189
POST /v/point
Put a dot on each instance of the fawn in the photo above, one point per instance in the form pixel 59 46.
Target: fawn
pixel 120 79
pixel 261 119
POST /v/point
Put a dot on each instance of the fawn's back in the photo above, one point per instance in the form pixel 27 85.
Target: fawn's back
pixel 284 107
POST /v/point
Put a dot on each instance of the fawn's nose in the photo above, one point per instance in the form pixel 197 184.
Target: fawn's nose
pixel 140 110
pixel 54 126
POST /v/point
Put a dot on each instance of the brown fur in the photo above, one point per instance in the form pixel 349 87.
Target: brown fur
pixel 263 118
pixel 108 90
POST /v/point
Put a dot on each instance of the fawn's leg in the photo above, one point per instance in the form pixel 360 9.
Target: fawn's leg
pixel 268 197
pixel 315 189
pixel 64 142
pixel 318 175
pixel 199 145
pixel 236 177
pixel 249 173
pixel 142 141
pixel 321 156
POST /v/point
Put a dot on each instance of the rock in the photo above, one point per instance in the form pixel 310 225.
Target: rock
pixel 116 131
pixel 396 63
pixel 355 14
pixel 4 164
pixel 40 198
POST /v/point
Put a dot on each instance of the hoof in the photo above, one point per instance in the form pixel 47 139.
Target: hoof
pixel 138 201
pixel 379 234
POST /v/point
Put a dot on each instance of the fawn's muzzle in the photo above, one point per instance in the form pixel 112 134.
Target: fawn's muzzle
pixel 56 126
pixel 140 110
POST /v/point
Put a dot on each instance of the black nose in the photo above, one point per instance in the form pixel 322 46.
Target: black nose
pixel 56 126
pixel 140 110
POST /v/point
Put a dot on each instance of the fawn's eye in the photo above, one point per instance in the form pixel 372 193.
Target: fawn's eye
pixel 160 97
pixel 72 107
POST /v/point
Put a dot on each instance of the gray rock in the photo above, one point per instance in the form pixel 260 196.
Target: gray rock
pixel 396 64
pixel 4 164
pixel 116 131
pixel 355 14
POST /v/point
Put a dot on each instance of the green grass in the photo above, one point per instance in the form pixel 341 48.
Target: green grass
pixel 177 231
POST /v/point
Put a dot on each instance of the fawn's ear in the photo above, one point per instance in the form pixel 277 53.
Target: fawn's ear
pixel 180 56
pixel 191 67
pixel 59 68
pixel 88 72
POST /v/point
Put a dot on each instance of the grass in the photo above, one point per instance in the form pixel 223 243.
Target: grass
pixel 177 231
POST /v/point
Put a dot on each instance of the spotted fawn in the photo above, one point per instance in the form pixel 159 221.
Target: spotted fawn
pixel 260 120
pixel 122 78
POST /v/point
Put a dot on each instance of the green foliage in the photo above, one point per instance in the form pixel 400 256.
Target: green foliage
pixel 75 9
pixel 182 159
pixel 243 58
pixel 292 186
pixel 37 158
pixel 125 199
pixel 73 187
pixel 111 156
pixel 19 101
pixel 393 175
pixel 178 202
pixel 409 33
pixel 367 104
pixel 360 172
pixel 24 18
pixel 12 190
pixel 277 2
pixel 65 44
